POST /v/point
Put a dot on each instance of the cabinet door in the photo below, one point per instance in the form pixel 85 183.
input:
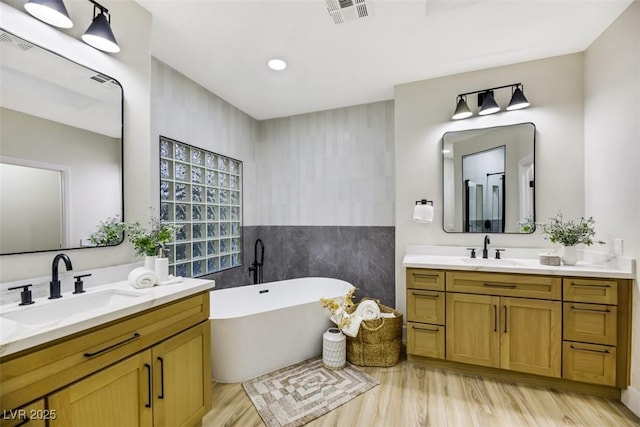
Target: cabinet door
pixel 531 337
pixel 473 329
pixel 425 306
pixel 116 396
pixel 590 323
pixel 425 340
pixel 182 378
pixel 589 363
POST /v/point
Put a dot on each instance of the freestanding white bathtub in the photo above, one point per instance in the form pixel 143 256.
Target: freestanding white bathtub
pixel 257 329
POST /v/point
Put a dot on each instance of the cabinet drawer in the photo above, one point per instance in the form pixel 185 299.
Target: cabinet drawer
pixel 514 285
pixel 425 306
pixel 597 291
pixel 590 323
pixel 589 363
pixel 32 415
pixel 28 375
pixel 425 340
pixel 420 278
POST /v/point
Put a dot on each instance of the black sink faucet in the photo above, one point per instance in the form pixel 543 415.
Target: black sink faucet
pixel 54 284
pixel 485 249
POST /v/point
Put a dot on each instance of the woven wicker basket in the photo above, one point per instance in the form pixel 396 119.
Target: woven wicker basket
pixel 379 341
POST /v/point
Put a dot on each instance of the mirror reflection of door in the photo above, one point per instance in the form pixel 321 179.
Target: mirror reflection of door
pixel 483 174
pixel 23 191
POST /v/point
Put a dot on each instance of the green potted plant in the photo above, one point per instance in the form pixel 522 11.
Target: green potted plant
pixel 109 233
pixel 569 234
pixel 150 242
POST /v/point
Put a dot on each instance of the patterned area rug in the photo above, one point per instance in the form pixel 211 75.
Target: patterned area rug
pixel 300 393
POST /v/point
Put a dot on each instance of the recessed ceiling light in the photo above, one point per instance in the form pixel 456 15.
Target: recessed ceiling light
pixel 277 64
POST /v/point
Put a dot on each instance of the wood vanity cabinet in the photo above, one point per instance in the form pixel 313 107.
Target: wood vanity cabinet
pixel 562 328
pixel 590 330
pixel 426 313
pixel 148 369
pixel 497 331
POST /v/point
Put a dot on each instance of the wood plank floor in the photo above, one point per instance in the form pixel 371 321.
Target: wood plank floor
pixel 414 395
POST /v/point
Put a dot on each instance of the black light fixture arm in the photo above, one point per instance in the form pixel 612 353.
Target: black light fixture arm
pixel 103 10
pixel 487 90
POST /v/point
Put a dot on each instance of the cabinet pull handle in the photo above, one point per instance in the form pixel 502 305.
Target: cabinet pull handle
pixel 591 350
pixel 499 285
pixel 579 285
pixel 430 276
pixel 148 404
pixel 426 329
pixel 425 295
pixel 111 347
pixel 606 310
pixel 161 360
pixel 505 319
pixel 495 318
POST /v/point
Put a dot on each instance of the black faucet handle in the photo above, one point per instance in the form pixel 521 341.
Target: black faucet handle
pixel 79 284
pixel 498 253
pixel 26 297
pixel 473 252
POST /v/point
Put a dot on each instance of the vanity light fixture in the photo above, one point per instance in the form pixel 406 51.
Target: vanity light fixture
pixel 518 100
pixel 462 109
pixel 487 103
pixel 99 34
pixel 53 12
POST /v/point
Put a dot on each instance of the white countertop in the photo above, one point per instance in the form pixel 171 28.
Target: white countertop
pixel 526 261
pixel 16 336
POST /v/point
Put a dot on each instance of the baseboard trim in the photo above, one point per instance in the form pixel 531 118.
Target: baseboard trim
pixel 631 399
pixel 520 377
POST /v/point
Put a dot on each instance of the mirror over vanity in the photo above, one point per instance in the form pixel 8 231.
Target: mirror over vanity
pixel 60 149
pixel 488 180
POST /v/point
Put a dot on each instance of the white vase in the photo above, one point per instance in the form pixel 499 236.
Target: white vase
pixel 150 262
pixel 334 349
pixel 569 255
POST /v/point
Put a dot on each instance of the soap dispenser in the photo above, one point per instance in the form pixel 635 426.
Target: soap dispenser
pixel 162 267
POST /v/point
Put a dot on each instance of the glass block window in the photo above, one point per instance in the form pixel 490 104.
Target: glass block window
pixel 201 193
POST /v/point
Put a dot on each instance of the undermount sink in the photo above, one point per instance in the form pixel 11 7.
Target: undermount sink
pixel 490 261
pixel 69 306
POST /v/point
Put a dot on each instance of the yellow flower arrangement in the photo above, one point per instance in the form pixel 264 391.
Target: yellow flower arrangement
pixel 338 308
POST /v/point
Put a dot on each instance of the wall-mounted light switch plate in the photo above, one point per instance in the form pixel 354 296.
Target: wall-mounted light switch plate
pixel 617 247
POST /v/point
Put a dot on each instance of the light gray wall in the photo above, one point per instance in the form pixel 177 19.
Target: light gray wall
pixel 332 167
pixel 185 111
pixel 612 151
pixel 423 114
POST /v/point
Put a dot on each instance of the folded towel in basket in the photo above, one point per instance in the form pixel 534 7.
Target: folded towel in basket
pixel 141 277
pixel 368 310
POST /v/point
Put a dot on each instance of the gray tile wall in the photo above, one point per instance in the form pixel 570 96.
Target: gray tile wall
pixel 362 256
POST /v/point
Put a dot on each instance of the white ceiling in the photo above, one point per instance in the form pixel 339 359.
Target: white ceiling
pixel 225 45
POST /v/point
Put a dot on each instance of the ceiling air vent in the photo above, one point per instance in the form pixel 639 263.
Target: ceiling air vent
pixel 14 41
pixel 347 10
pixel 101 78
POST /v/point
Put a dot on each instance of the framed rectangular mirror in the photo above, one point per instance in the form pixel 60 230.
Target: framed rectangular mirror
pixel 488 178
pixel 60 149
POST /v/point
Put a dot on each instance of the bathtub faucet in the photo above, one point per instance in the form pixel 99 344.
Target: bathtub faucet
pixel 256 266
